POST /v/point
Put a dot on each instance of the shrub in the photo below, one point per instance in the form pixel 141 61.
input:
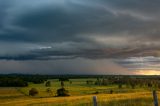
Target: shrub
pixel 111 91
pixel 119 86
pixel 62 92
pixel 33 92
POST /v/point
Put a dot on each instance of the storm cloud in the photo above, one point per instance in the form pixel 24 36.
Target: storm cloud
pixel 69 30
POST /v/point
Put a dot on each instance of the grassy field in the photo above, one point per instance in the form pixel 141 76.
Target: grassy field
pixel 81 95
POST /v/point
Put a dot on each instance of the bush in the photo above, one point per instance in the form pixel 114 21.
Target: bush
pixel 111 91
pixel 62 92
pixel 33 92
pixel 48 84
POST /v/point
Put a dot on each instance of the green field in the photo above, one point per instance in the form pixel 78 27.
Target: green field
pixel 81 95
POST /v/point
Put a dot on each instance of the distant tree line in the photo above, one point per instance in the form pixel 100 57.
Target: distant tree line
pixel 21 80
pixel 12 82
pixel 130 81
pixel 63 79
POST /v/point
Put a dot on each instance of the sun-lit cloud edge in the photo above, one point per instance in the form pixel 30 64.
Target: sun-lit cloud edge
pixel 147 72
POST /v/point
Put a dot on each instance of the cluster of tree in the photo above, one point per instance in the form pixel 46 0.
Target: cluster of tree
pixel 63 79
pixel 36 79
pixel 129 81
pixel 12 82
pixel 15 80
pixel 21 80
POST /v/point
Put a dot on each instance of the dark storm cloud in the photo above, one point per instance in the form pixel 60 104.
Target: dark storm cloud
pixel 71 29
pixel 3 6
pixel 73 66
pixel 64 21
pixel 97 23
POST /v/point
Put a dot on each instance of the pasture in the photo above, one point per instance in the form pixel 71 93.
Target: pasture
pixel 80 95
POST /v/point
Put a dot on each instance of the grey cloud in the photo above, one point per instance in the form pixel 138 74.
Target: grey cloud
pixel 88 29
pixel 141 63
pixel 71 66
pixel 64 22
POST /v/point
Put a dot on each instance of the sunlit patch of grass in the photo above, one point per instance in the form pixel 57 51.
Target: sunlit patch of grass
pixel 127 99
pixel 81 95
pixel 129 102
pixel 7 93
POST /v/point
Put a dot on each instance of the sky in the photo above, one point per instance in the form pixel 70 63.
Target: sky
pixel 80 37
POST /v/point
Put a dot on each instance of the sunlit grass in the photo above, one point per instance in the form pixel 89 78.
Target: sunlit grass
pixel 81 95
pixel 127 99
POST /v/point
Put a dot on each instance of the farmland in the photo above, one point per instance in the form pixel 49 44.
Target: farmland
pixel 80 92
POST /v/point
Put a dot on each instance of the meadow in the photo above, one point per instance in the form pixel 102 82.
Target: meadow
pixel 80 92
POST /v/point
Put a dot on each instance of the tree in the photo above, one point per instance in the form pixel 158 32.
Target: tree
pixel 70 82
pixel 149 85
pixel 133 85
pixel 119 85
pixel 48 84
pixel 98 82
pixel 62 84
pixel 62 92
pixel 33 92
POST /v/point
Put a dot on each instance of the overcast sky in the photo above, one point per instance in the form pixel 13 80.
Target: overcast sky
pixel 79 36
